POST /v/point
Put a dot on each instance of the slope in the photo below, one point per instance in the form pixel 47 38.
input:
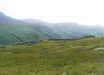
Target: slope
pixel 77 57
pixel 16 31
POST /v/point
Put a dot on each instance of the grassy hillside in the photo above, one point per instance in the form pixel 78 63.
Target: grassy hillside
pixel 13 31
pixel 77 57
pixel 16 33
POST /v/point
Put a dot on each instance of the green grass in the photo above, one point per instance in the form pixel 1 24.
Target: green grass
pixel 76 57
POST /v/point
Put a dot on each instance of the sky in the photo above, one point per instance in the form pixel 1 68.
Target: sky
pixel 89 12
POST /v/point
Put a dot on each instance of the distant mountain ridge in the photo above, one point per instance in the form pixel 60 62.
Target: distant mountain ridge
pixel 14 31
pixel 33 21
pixel 7 19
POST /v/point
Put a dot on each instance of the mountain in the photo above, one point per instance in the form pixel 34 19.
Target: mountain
pixel 6 19
pixel 14 31
pixel 74 30
pixel 33 21
pixel 71 30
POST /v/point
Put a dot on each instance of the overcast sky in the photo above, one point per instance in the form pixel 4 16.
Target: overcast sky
pixel 81 11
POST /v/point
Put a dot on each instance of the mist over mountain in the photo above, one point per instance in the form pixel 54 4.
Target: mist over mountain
pixel 7 19
pixel 14 31
pixel 17 31
pixel 75 30
pixel 33 21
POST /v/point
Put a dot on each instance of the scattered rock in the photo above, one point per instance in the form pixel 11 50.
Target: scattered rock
pixel 97 49
pixel 64 73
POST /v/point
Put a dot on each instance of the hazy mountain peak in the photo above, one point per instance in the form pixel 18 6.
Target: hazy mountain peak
pixel 33 21
pixel 2 14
